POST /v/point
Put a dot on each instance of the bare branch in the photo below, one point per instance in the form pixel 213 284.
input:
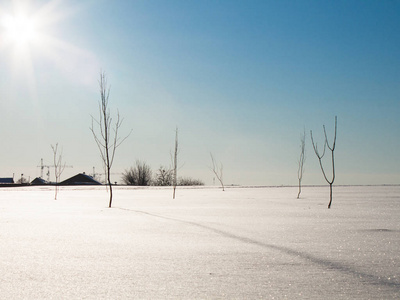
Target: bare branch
pixel 315 146
pixel 334 139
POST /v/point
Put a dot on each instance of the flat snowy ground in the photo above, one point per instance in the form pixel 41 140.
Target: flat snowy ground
pixel 244 243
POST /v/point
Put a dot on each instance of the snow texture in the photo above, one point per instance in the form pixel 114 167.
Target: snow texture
pixel 244 243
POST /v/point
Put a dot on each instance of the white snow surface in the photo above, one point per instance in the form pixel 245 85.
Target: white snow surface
pixel 244 243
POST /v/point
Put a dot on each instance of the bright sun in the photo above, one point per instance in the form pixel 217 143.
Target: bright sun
pixel 23 33
pixel 29 39
pixel 19 30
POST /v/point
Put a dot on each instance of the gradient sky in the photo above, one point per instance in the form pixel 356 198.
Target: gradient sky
pixel 240 79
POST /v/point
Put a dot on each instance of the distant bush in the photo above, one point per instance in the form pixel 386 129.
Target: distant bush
pixel 189 181
pixel 163 177
pixel 140 175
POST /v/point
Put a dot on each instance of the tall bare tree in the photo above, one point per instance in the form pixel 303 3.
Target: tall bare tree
pixel 218 171
pixel 320 156
pixel 175 164
pixel 106 135
pixel 59 166
pixel 302 158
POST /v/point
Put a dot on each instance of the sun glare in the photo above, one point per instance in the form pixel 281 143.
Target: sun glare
pixel 19 30
pixel 29 38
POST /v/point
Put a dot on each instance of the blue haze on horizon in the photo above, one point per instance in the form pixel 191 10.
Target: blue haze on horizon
pixel 240 79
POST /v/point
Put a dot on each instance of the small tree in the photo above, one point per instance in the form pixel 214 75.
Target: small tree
pixel 218 171
pixel 163 177
pixel 320 156
pixel 302 159
pixel 175 164
pixel 106 136
pixel 58 167
pixel 140 174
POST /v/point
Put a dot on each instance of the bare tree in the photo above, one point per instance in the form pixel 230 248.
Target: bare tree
pixel 302 159
pixel 106 135
pixel 218 171
pixel 58 167
pixel 175 164
pixel 320 156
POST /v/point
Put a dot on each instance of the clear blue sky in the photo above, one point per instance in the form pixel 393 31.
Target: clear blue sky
pixel 240 79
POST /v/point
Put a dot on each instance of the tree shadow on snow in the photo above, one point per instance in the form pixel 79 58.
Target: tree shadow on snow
pixel 366 278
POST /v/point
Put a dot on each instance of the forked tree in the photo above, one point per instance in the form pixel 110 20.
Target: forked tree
pixel 59 167
pixel 320 156
pixel 218 171
pixel 302 158
pixel 106 134
pixel 175 164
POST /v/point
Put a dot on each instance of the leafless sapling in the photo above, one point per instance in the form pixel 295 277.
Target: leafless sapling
pixel 175 164
pixel 320 156
pixel 302 158
pixel 106 135
pixel 59 167
pixel 218 171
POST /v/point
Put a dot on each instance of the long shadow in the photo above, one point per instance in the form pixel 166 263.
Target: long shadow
pixel 366 278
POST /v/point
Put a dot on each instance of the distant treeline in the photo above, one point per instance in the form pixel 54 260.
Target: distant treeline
pixel 142 175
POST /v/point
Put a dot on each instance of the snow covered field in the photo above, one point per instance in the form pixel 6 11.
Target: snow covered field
pixel 244 243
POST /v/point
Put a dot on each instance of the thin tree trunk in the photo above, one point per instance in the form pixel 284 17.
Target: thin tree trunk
pixel 109 184
pixel 330 195
pixel 298 195
pixel 111 194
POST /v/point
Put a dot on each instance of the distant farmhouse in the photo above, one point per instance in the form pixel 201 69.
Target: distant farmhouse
pixel 80 179
pixel 39 181
pixel 6 181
